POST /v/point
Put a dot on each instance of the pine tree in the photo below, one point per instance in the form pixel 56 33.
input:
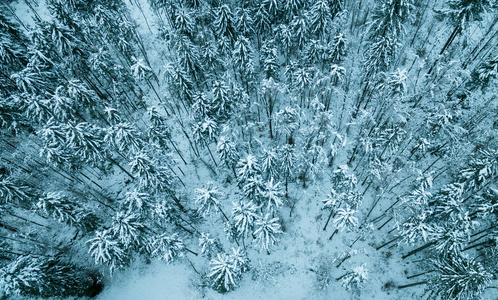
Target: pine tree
pixel 459 277
pixel 181 81
pixel 269 59
pixel 242 55
pixel 224 273
pixel 345 219
pixel 417 228
pixel 300 28
pixel 240 260
pixel 254 188
pixel 11 192
pixel 223 22
pixel 271 7
pixel 34 107
pixel 124 137
pixel 202 106
pixel 100 61
pixel 128 228
pixel 32 81
pixel 273 196
pixel 112 115
pixel 379 55
pixel 337 74
pixel 140 70
pixel 244 22
pixel 185 21
pixel 188 58
pixel 262 22
pixel 269 166
pixel 207 200
pixel 388 18
pixel 315 52
pixel 211 58
pixel 83 96
pixel 168 247
pixel 208 245
pixel 482 166
pixel 221 104
pixel 461 12
pixel 30 276
pixel 302 80
pixel 247 167
pixel 287 160
pixel 150 176
pixel 137 202
pixel 58 206
pixel 320 16
pixel 291 7
pixel 243 217
pixel 61 107
pixel 395 84
pixel 86 140
pixel 451 239
pixel 288 120
pixel 484 74
pixel 355 278
pixel 283 36
pixel 205 130
pixel 106 249
pixel 63 38
pixel 266 230
pixel 227 152
pixel 338 48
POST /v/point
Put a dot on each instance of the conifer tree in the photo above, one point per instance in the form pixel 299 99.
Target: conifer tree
pixel 30 276
pixel 266 230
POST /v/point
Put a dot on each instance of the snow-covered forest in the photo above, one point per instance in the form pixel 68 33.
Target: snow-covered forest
pixel 257 149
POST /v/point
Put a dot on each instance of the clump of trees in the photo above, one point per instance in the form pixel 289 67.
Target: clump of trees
pixel 101 136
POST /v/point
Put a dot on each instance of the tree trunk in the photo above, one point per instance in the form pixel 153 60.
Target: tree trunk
pixel 328 219
pixel 418 249
pixel 333 233
pixel 381 226
pixel 387 243
pixel 420 274
pixel 120 167
pixel 412 284
pixel 450 40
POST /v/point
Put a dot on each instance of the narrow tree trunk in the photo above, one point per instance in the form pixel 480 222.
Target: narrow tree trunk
pixel 388 220
pixel 333 233
pixel 121 168
pixel 223 213
pixel 412 284
pixel 450 40
pixel 176 149
pixel 328 219
pixel 387 243
pixel 418 249
pixel 343 260
pixel 420 274
pixel 487 242
pixel 210 153
pixel 30 221
pixel 194 253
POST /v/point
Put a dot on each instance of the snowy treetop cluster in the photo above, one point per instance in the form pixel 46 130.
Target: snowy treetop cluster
pixel 205 131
